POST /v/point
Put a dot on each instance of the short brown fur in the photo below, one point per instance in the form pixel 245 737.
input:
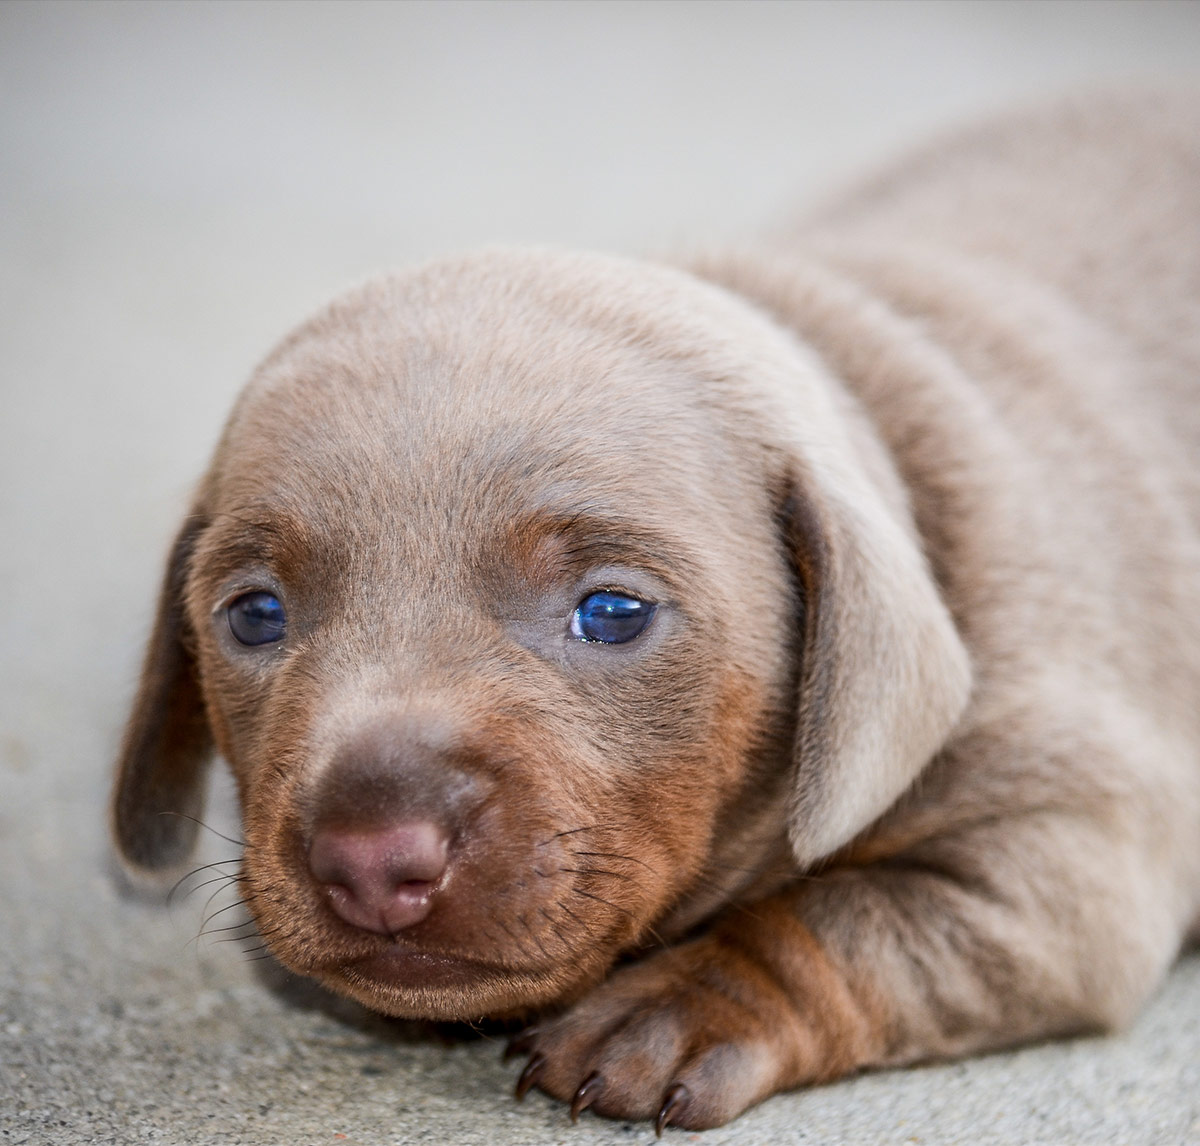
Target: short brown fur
pixel 906 765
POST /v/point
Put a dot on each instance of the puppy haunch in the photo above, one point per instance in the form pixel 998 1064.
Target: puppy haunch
pixel 818 626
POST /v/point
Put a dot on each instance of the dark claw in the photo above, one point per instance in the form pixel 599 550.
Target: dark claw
pixel 533 1068
pixel 676 1097
pixel 520 1043
pixel 586 1095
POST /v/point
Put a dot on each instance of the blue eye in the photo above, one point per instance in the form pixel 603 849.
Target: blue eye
pixel 612 618
pixel 257 618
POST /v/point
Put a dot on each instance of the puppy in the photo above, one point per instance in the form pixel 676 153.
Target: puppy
pixel 749 672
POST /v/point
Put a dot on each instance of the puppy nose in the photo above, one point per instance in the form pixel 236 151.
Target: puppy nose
pixel 380 879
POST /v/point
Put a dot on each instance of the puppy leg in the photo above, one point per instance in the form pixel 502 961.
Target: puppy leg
pixel 1028 925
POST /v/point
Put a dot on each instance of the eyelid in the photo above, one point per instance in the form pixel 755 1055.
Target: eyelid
pixel 618 590
pixel 253 582
pixel 629 580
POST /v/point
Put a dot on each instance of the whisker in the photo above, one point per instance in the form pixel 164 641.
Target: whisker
pixel 600 871
pixel 233 939
pixel 217 891
pixel 220 911
pixel 745 910
pixel 520 946
pixel 600 899
pixel 207 828
pixel 572 914
pixel 572 832
pixel 533 935
pixel 225 877
pixel 231 927
pixel 550 919
pixel 196 871
pixel 617 855
pixel 208 936
pixel 658 939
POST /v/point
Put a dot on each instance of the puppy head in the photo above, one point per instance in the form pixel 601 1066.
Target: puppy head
pixel 533 599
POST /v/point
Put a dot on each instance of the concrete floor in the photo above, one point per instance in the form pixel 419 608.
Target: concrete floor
pixel 178 185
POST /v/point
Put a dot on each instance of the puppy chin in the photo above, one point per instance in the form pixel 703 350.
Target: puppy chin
pixel 410 984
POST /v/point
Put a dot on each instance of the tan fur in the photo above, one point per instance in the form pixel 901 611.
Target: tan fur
pixel 908 762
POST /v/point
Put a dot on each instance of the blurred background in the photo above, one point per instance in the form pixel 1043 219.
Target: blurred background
pixel 182 182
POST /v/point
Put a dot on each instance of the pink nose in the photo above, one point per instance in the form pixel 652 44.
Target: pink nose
pixel 380 879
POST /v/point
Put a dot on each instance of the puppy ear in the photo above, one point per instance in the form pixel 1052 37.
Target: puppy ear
pixel 884 676
pixel 159 791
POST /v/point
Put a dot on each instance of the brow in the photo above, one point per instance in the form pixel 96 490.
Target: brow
pixel 591 536
pixel 244 536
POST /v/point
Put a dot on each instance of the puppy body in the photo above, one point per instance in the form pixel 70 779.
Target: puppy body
pixel 907 762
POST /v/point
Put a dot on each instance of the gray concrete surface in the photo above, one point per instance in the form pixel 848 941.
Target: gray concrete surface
pixel 179 183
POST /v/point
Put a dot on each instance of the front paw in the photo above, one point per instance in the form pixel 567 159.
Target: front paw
pixel 688 1037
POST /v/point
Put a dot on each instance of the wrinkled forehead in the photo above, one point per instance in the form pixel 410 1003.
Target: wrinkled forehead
pixel 475 391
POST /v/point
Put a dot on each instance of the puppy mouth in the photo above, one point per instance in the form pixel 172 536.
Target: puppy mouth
pixel 425 915
pixel 407 982
pixel 402 966
pixel 439 968
pixel 411 958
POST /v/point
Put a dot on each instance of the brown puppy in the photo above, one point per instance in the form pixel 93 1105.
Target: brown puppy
pixel 820 627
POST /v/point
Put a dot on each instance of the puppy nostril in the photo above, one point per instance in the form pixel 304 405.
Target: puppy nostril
pixel 380 879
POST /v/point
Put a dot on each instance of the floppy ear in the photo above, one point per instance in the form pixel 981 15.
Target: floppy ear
pixel 159 791
pixel 884 676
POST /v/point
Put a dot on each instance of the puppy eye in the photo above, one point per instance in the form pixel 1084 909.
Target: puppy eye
pixel 612 618
pixel 257 618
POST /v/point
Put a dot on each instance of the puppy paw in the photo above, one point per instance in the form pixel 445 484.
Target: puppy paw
pixel 688 1037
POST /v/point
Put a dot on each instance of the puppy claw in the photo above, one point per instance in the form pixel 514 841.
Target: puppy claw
pixel 675 1098
pixel 586 1094
pixel 520 1043
pixel 530 1075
